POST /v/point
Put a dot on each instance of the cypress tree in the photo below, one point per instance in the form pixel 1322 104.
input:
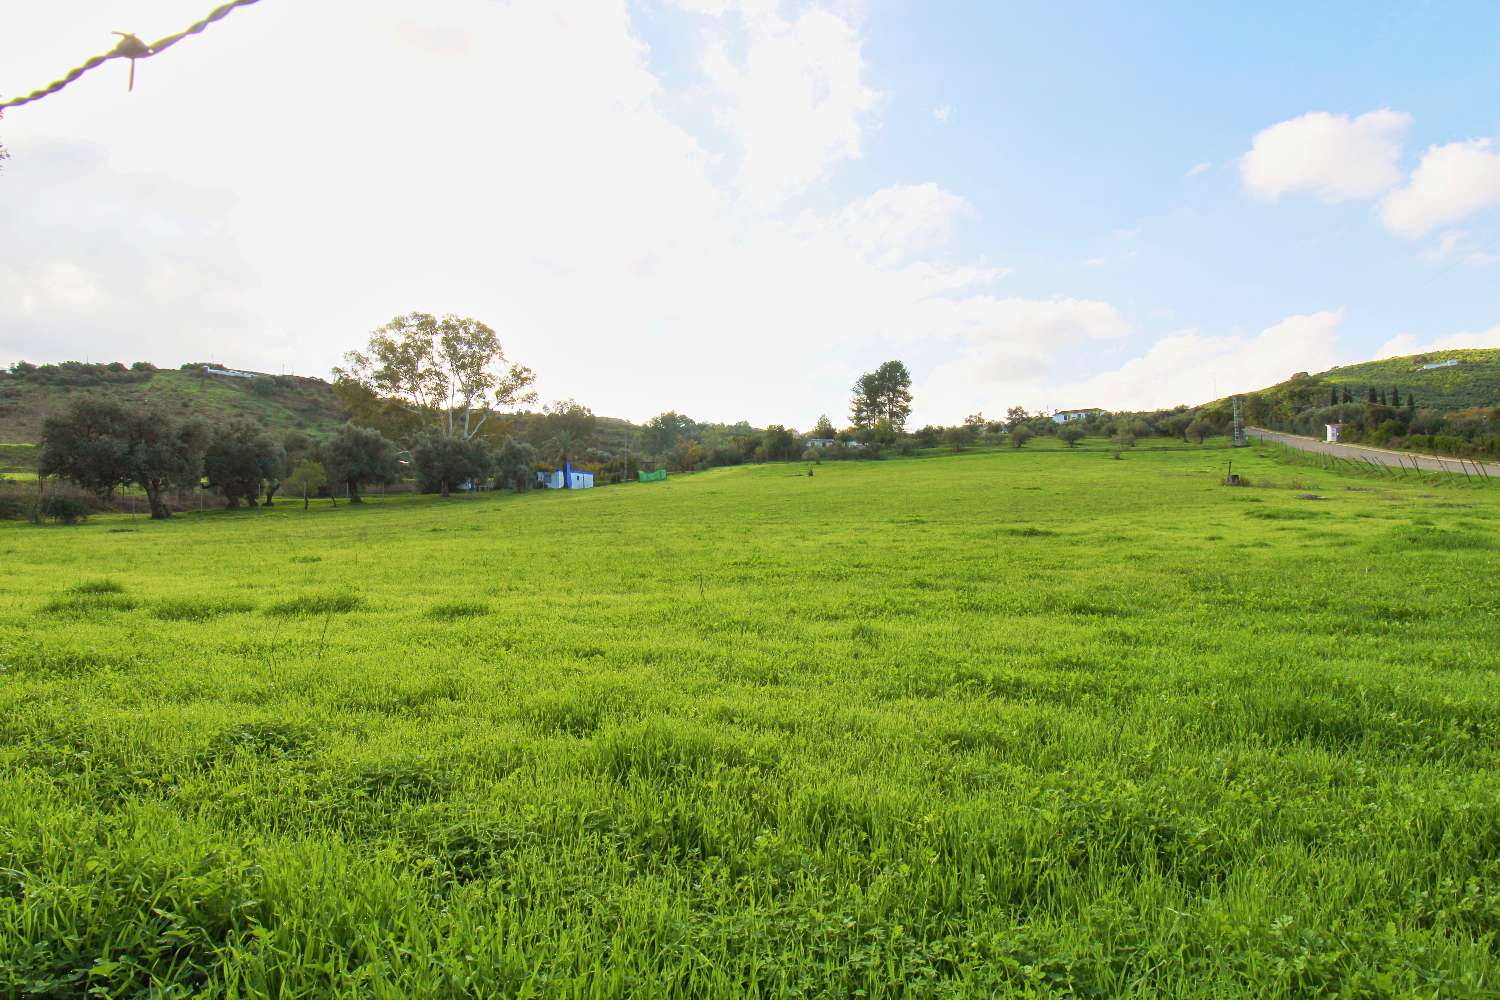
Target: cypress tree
pixel 1333 397
pixel 1370 394
pixel 1395 396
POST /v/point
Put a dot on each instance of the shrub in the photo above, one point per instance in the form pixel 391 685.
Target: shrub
pixel 64 510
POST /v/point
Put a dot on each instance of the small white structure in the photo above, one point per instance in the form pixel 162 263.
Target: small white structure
pixel 231 373
pixel 1333 432
pixel 820 442
pixel 565 480
pixel 1440 364
pixel 1069 416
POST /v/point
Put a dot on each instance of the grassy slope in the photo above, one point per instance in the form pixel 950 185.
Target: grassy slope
pixel 987 724
pixel 305 404
pixel 1473 382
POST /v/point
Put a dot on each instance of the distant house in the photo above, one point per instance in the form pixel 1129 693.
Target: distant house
pixel 566 478
pixel 1439 364
pixel 1333 431
pixel 1069 416
pixel 820 442
pixel 229 372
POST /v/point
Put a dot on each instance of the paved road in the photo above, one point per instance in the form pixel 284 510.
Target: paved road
pixel 1380 456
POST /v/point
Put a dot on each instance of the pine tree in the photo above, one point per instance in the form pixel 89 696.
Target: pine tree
pixel 1395 396
pixel 1333 396
pixel 1370 395
pixel 1347 397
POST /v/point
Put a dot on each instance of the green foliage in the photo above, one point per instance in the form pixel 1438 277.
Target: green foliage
pixel 442 462
pixel 306 479
pixel 1070 434
pixel 515 464
pixel 358 456
pixel 449 373
pixel 63 509
pixel 781 444
pixel 959 726
pixel 242 456
pixel 87 442
pixel 884 394
pixel 100 444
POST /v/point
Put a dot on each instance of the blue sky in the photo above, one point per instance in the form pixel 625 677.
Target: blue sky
pixel 731 207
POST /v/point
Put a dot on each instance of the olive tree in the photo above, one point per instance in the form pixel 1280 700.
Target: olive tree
pixel 443 461
pixel 241 457
pixel 102 444
pixel 87 442
pixel 360 455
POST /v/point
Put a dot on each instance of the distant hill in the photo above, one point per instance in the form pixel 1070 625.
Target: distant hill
pixel 1440 380
pixel 281 402
pixel 1436 382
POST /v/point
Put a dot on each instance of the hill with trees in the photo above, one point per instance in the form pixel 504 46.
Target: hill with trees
pixel 280 403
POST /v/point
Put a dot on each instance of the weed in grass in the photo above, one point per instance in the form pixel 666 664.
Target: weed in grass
pixel 188 609
pixel 312 605
pixel 456 610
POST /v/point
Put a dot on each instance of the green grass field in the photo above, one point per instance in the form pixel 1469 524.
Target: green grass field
pixel 1029 723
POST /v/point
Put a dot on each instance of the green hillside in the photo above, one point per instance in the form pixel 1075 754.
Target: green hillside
pixel 281 402
pixel 1474 381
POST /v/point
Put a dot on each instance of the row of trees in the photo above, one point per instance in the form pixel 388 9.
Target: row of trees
pixel 103 444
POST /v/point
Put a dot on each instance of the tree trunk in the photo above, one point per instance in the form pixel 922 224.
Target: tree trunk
pixel 445 489
pixel 354 492
pixel 231 501
pixel 158 504
pixel 304 498
pixel 271 492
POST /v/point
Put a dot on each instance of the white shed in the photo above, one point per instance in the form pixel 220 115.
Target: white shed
pixel 1333 432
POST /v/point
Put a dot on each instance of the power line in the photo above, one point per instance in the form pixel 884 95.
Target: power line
pixel 132 48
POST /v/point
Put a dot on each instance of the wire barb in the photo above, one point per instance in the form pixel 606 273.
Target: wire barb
pixel 132 48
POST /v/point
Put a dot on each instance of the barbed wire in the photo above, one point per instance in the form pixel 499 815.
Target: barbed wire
pixel 132 48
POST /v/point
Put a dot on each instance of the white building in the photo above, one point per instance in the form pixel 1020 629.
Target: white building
pixel 566 479
pixel 820 442
pixel 1069 416
pixel 1333 431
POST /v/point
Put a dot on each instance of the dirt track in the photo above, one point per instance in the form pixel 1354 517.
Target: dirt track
pixel 1380 456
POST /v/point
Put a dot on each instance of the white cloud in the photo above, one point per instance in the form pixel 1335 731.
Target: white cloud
pixel 1008 349
pixel 1199 168
pixel 1337 157
pixel 1190 368
pixel 1405 344
pixel 943 114
pixel 790 92
pixel 1451 183
pixel 898 222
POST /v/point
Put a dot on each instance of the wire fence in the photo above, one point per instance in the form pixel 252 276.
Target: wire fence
pixel 129 47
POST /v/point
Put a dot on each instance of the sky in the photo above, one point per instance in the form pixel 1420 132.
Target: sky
pixel 731 208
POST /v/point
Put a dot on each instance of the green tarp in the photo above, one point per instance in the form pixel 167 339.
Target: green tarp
pixel 653 477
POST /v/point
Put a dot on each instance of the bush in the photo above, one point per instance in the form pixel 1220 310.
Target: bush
pixel 64 510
